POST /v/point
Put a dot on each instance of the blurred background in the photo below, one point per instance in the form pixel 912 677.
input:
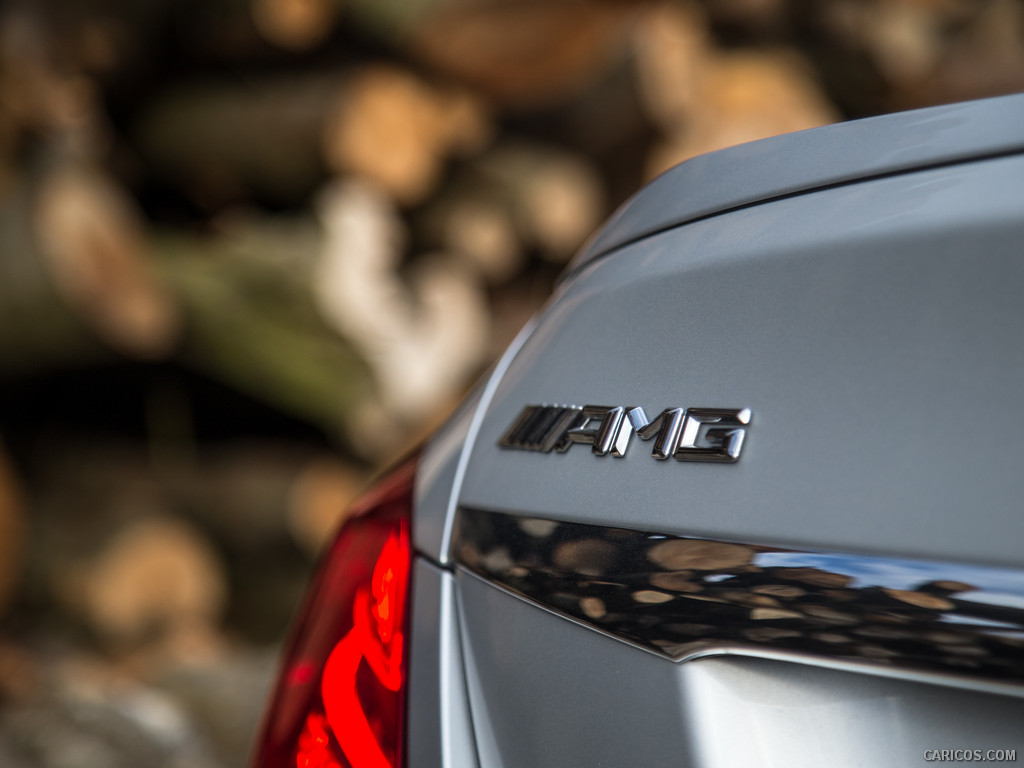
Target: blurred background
pixel 251 250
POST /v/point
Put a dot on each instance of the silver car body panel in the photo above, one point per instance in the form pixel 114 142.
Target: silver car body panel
pixel 872 329
pixel 549 693
pixel 440 731
pixel 795 163
pixel 443 464
pixel 869 315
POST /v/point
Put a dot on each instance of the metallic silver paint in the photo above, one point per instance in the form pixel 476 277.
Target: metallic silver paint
pixel 801 162
pixel 752 712
pixel 875 295
pixel 547 693
pixel 440 734
pixel 445 458
pixel 861 318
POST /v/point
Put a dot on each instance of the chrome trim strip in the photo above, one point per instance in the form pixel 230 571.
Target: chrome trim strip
pixel 948 679
pixel 684 597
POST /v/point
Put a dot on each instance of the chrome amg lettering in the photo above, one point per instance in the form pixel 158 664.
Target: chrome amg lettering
pixel 694 434
pixel 541 428
pixel 602 428
pixel 667 425
pixel 712 434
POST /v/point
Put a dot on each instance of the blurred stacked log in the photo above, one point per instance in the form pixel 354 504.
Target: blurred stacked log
pixel 177 178
pixel 328 217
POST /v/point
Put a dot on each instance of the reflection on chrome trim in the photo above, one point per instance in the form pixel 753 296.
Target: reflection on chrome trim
pixel 681 596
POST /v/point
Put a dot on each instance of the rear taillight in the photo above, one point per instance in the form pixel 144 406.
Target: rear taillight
pixel 340 700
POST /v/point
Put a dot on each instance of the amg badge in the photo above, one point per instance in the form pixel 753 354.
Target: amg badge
pixel 694 434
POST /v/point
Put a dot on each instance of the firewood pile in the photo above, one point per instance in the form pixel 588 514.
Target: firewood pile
pixel 252 248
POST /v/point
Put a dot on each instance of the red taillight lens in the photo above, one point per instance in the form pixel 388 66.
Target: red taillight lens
pixel 340 701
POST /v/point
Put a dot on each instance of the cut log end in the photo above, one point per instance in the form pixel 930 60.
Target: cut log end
pixel 92 243
pixel 294 25
pixel 156 575
pixel 396 130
